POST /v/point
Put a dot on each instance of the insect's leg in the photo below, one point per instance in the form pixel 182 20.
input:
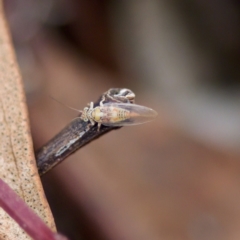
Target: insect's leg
pixel 91 105
pixel 99 125
pixel 92 122
pixel 101 102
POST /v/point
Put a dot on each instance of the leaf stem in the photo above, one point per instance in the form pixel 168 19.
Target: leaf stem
pixel 24 216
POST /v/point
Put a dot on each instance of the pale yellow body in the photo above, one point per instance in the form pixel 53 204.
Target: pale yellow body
pixel 109 114
pixel 104 114
pixel 117 114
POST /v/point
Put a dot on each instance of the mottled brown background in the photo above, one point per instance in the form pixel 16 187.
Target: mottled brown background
pixel 172 179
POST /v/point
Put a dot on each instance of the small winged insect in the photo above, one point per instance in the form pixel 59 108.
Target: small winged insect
pixel 117 114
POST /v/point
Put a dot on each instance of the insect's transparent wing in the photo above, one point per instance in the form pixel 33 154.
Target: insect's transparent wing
pixel 137 114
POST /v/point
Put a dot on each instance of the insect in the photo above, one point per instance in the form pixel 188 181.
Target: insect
pixel 117 114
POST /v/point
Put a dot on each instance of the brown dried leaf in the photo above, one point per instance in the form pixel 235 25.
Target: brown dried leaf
pixel 17 163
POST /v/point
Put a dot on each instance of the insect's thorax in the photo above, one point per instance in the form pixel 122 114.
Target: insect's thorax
pixel 109 114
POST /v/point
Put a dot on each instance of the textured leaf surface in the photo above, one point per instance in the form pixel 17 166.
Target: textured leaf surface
pixel 17 163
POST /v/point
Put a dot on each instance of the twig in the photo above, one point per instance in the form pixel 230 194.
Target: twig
pixel 78 133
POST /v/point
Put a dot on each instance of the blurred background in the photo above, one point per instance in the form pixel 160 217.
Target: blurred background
pixel 177 177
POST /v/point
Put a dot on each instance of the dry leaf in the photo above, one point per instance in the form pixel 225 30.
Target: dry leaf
pixel 17 163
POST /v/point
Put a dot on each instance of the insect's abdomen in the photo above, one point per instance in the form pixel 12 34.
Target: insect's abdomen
pixel 109 114
pixel 119 114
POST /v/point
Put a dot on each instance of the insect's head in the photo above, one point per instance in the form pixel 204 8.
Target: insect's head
pixel 84 116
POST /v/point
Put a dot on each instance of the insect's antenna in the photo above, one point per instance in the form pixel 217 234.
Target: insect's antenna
pixel 64 104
